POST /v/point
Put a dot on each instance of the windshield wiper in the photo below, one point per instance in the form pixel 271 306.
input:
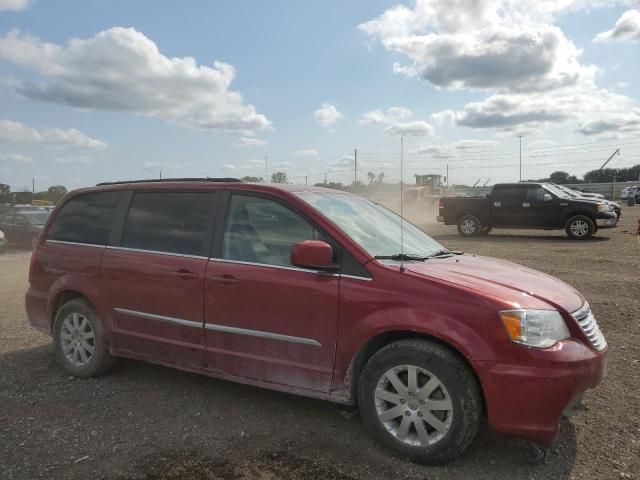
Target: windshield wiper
pixel 445 253
pixel 401 256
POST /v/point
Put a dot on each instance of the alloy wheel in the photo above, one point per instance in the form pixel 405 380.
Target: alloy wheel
pixel 77 338
pixel 413 405
pixel 468 227
pixel 579 228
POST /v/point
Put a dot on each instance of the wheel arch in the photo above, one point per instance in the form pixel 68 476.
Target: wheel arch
pixel 591 215
pixel 376 343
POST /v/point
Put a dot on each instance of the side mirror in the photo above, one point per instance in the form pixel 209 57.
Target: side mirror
pixel 547 197
pixel 312 254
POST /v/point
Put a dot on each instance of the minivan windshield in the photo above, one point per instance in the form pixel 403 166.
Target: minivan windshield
pixel 372 226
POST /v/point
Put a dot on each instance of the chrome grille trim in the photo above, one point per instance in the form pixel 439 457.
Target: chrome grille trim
pixel 589 327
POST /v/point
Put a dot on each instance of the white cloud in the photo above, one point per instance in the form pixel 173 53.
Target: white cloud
pixel 228 167
pixel 310 153
pixel 13 5
pixel 16 132
pixel 397 121
pixel 120 69
pixel 250 142
pixel 392 115
pixel 16 157
pixel 591 110
pixel 76 159
pixel 626 28
pixel 410 129
pixel 461 147
pixel 612 123
pixel 482 44
pixel 327 115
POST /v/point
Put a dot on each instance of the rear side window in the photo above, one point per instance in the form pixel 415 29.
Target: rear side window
pixel 509 194
pixel 86 218
pixel 172 222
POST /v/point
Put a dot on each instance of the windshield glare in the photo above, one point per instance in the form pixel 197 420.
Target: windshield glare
pixel 556 191
pixel 372 226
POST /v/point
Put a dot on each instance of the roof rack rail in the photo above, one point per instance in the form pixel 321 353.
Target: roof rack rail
pixel 159 180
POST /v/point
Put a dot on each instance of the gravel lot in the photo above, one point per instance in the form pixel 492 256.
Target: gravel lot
pixel 150 422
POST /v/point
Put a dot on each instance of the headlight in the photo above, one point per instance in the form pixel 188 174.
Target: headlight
pixel 536 328
pixel 604 207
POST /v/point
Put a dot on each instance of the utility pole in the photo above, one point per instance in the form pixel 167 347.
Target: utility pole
pixel 447 174
pixel 266 169
pixel 520 137
pixel 325 178
pixel 355 166
pixel 160 174
pixel 33 185
pixel 306 178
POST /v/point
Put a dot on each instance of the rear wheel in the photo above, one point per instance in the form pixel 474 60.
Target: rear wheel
pixel 469 226
pixel 420 400
pixel 78 340
pixel 580 227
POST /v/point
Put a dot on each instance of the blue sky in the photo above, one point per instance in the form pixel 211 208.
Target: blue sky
pixel 463 88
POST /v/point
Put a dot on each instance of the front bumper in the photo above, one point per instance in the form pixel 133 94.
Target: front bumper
pixel 529 399
pixel 607 222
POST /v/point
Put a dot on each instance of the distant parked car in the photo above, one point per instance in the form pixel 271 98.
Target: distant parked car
pixel 593 195
pixel 3 242
pixel 631 191
pixel 578 194
pixel 23 227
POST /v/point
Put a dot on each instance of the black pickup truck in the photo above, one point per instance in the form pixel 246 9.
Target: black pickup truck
pixel 527 205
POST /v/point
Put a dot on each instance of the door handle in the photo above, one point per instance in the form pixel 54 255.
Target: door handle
pixel 224 279
pixel 185 274
pixel 526 204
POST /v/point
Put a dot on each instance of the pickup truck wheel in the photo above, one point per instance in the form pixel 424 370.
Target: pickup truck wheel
pixel 469 226
pixel 78 340
pixel 580 227
pixel 420 400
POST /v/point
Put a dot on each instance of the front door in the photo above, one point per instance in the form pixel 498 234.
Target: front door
pixel 266 319
pixel 154 277
pixel 541 213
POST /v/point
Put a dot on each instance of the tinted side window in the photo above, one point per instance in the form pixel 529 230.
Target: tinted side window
pixel 86 218
pixel 259 230
pixel 509 194
pixel 535 194
pixel 173 222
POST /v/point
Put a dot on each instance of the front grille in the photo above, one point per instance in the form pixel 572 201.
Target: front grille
pixel 590 327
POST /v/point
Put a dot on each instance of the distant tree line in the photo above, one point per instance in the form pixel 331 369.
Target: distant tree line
pixel 605 175
pixel 22 196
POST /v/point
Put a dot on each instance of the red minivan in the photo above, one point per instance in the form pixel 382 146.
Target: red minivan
pixel 315 292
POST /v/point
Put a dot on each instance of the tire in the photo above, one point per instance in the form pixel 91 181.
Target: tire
pixel 580 227
pixel 469 226
pixel 457 390
pixel 78 340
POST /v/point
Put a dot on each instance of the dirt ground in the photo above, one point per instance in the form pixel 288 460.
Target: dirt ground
pixel 150 422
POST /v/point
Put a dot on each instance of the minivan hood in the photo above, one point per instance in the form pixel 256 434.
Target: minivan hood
pixel 520 286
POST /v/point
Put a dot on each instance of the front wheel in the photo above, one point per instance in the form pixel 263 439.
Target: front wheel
pixel 580 227
pixel 469 226
pixel 420 400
